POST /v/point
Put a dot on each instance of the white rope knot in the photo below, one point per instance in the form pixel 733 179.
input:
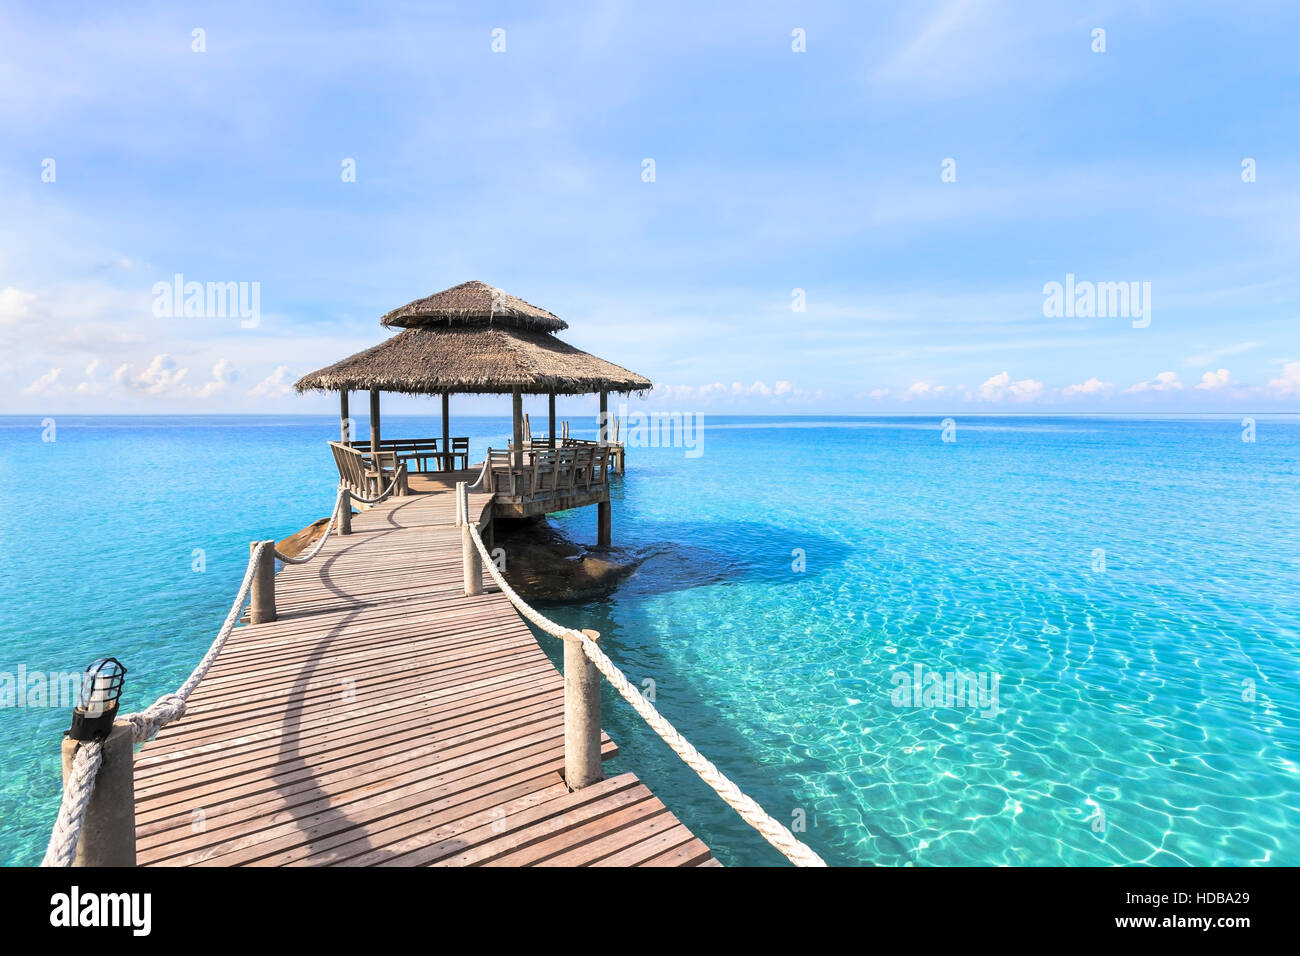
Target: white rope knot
pixel 153 718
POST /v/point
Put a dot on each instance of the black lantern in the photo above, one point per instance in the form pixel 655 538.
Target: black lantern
pixel 101 690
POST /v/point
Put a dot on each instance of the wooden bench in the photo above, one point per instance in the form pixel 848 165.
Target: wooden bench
pixel 419 452
pixel 367 478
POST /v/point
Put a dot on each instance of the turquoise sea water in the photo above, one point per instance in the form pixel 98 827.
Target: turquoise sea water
pixel 1132 585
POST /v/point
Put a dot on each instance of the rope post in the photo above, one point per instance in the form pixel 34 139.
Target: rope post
pixel 345 512
pixel 262 604
pixel 581 716
pixel 470 557
pixel 108 829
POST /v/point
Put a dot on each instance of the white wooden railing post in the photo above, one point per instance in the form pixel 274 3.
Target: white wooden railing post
pixel 261 608
pixel 581 716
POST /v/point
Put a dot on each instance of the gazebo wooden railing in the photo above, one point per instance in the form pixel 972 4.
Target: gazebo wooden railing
pixel 548 479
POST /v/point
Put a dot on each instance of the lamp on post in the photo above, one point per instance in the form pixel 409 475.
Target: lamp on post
pixel 101 692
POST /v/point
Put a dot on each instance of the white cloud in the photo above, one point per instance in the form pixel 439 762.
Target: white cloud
pixel 1289 383
pixel 275 385
pixel 879 392
pixel 223 376
pixel 162 376
pixel 1212 381
pixel 1000 386
pixel 92 384
pixel 924 390
pixel 706 393
pixel 1164 382
pixel 14 305
pixel 47 384
pixel 1094 386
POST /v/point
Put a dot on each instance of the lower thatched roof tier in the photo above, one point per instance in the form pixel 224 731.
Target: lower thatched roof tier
pixel 476 359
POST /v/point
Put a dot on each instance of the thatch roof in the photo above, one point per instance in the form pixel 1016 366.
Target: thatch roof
pixel 489 359
pixel 473 303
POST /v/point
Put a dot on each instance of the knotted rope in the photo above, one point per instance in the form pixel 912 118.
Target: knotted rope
pixel 76 796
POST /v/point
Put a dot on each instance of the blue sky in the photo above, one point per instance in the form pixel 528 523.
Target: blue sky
pixel 775 170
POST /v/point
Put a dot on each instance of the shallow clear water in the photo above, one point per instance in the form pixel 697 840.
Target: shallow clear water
pixel 1147 710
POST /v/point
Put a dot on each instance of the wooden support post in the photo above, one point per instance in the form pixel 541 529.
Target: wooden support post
pixel 470 558
pixel 550 404
pixel 374 425
pixel 604 522
pixel 446 432
pixel 108 829
pixel 262 601
pixel 517 415
pixel 343 417
pixel 345 512
pixel 581 716
pixel 602 433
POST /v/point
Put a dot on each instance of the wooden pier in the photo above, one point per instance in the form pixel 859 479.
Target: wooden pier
pixel 387 718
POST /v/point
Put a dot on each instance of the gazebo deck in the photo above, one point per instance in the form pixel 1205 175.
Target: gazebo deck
pixel 420 482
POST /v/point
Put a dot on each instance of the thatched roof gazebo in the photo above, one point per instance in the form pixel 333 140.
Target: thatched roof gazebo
pixel 474 339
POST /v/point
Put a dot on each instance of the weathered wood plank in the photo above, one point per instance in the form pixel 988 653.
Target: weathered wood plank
pixel 387 719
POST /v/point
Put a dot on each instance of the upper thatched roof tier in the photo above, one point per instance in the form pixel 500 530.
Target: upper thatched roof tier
pixel 483 359
pixel 471 304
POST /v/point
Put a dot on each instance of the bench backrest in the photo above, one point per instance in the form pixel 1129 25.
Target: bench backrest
pixel 352 466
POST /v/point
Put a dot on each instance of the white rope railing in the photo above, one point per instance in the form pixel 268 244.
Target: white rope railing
pixel 483 473
pixel 334 517
pixel 772 830
pixel 80 784
pixel 374 501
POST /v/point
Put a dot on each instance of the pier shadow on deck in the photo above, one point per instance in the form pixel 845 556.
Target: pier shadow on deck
pixel 388 719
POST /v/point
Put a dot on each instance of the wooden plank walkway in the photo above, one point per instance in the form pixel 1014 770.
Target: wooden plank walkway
pixel 388 719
